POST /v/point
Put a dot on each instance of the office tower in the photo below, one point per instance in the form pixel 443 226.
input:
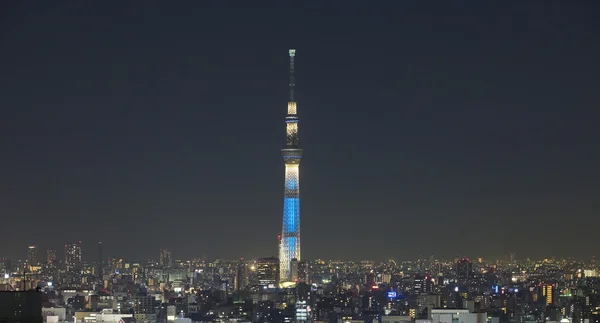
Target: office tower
pixel 241 274
pixel 73 257
pixel 32 255
pixel 290 232
pixel 100 261
pixel 302 300
pixel 464 270
pixel 143 304
pixel 294 270
pixel 165 258
pixel 548 293
pixel 304 272
pixel 423 284
pixel 51 256
pixel 267 272
pixel 418 282
pixel 4 269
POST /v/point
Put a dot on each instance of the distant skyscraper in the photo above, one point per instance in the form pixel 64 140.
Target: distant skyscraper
pixel 165 259
pixel 548 293
pixel 294 270
pixel 51 256
pixel 4 267
pixel 290 234
pixel 241 274
pixel 464 270
pixel 418 282
pixel 73 257
pixel 304 272
pixel 369 279
pixel 32 255
pixel 422 284
pixel 100 261
pixel 267 271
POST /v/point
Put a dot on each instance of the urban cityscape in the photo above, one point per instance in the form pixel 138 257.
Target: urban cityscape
pixel 166 289
pixel 286 288
pixel 517 216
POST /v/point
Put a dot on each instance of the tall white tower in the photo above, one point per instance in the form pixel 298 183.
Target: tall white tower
pixel 289 248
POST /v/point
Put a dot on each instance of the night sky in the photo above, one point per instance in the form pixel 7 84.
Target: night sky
pixel 429 127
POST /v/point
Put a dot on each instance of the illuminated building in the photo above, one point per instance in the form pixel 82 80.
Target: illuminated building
pixel 143 304
pixel 294 270
pixel 32 255
pixel 302 299
pixel 548 293
pixel 304 272
pixel 422 284
pixel 289 247
pixel 51 256
pixel 4 266
pixel 165 259
pixel 464 270
pixel 241 274
pixel 267 272
pixel 100 261
pixel 73 257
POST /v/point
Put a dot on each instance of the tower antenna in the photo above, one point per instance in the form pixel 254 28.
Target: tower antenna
pixel 292 53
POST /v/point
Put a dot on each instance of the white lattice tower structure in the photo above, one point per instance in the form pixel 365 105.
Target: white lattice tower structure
pixel 289 248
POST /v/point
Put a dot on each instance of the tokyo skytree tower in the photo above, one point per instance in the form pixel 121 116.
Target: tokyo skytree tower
pixel 289 246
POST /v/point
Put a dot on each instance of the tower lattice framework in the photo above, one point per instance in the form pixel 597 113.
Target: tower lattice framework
pixel 289 247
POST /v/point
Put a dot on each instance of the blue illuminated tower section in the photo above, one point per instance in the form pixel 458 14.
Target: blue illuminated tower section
pixel 289 248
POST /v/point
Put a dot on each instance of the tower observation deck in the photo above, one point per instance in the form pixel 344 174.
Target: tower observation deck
pixel 289 248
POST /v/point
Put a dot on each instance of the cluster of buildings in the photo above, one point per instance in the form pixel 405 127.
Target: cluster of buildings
pixel 422 291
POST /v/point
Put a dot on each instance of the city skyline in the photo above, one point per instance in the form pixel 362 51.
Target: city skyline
pixel 447 129
pixel 90 253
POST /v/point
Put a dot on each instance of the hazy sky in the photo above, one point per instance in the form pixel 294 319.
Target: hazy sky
pixel 429 127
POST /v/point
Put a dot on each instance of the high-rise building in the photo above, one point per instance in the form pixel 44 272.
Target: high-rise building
pixel 302 300
pixel 290 233
pixel 51 256
pixel 464 270
pixel 4 268
pixel 418 281
pixel 267 272
pixel 422 284
pixel 165 259
pixel 32 255
pixel 73 257
pixel 548 293
pixel 143 304
pixel 369 279
pixel 100 261
pixel 241 274
pixel 304 274
pixel 294 270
